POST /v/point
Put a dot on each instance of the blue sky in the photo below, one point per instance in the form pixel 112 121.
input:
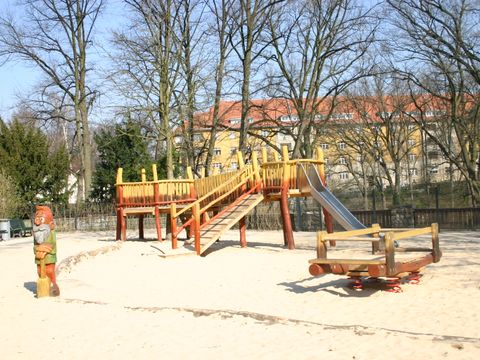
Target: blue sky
pixel 18 78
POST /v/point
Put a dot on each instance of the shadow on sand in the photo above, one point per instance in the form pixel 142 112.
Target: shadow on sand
pixel 31 286
pixel 339 287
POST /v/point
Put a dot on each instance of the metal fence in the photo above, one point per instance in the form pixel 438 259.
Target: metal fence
pixel 305 213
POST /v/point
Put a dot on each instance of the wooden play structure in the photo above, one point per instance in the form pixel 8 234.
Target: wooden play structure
pixel 209 206
pixel 206 207
pixel 387 259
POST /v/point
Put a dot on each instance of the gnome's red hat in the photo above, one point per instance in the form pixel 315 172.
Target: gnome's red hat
pixel 46 213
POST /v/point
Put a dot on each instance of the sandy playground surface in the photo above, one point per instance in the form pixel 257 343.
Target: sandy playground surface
pixel 122 301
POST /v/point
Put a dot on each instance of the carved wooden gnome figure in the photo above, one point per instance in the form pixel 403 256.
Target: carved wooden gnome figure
pixel 45 248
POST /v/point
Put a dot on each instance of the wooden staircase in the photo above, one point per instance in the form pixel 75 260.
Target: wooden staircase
pixel 211 232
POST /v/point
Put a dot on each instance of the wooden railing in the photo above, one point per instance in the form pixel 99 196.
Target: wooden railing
pixel 153 193
pixel 279 174
pixel 240 182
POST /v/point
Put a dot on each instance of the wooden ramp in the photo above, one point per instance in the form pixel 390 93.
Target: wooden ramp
pixel 211 232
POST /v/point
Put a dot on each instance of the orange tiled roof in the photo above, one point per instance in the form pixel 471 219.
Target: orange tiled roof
pixel 270 112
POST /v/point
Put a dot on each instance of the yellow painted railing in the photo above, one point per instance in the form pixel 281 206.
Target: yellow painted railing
pixel 237 183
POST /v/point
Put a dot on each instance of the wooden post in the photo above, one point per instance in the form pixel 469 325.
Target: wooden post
pixel 144 175
pixel 141 234
pixel 173 226
pixel 390 253
pixel 256 171
pixel 287 222
pixel 264 169
pixel 275 156
pixel 123 226
pixel 376 244
pixel 193 195
pixel 158 223
pixel 119 198
pixel 243 233
pixel 321 246
pixel 196 217
pixel 264 155
pixel 241 166
pixel 326 215
pixel 436 252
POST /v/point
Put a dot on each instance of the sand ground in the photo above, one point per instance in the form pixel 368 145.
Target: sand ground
pixel 121 300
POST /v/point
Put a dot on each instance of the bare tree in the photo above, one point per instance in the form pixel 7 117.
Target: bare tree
pixel 147 70
pixel 440 50
pixel 384 133
pixel 55 36
pixel 246 34
pixel 318 48
pixel 190 39
pixel 219 14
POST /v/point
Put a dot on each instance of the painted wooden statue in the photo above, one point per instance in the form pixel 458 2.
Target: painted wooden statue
pixel 45 248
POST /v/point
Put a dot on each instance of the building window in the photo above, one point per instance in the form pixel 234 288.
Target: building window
pixel 265 133
pixel 342 116
pixel 234 165
pixel 232 135
pixel 197 137
pixel 217 165
pixel 343 176
pixel 234 121
pixel 342 161
pixel 342 146
pixel 411 142
pixel 412 171
pixel 325 161
pixel 324 146
pixel 233 150
pixel 412 157
pixel 217 151
pixel 288 118
pixel 434 171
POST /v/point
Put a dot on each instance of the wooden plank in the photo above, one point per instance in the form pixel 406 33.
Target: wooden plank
pixel 355 238
pixel 139 210
pixel 238 214
pixel 348 261
pixel 344 234
pixel 412 233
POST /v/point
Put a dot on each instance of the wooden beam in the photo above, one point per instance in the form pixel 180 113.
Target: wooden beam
pixel 390 253
pixel 350 233
pixel 411 233
pixel 347 261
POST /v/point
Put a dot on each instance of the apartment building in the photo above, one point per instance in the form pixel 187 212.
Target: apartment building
pixel 362 139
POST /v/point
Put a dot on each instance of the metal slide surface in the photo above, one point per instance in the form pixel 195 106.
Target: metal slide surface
pixel 322 195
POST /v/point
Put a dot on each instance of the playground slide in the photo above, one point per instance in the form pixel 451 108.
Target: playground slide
pixel 322 195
